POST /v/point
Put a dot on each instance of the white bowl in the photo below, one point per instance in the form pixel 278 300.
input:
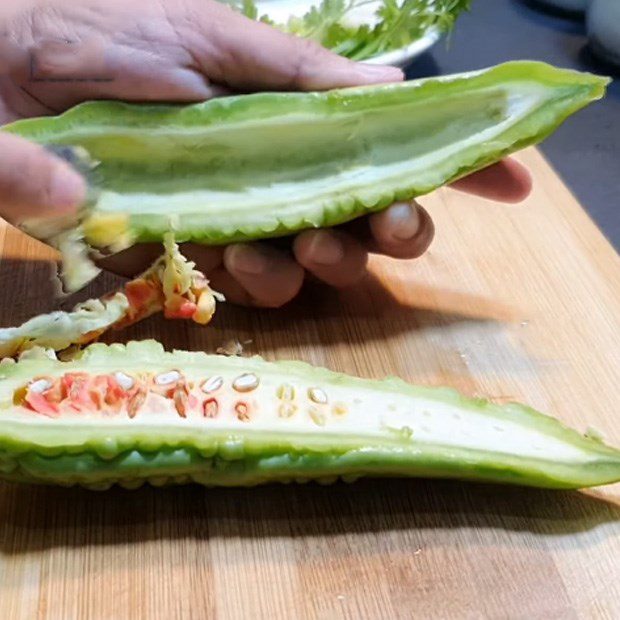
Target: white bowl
pixel 403 56
pixel 281 10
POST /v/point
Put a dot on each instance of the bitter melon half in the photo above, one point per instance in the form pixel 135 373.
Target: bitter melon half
pixel 133 414
pixel 269 164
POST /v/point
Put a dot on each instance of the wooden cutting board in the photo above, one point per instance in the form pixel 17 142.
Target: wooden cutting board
pixel 513 302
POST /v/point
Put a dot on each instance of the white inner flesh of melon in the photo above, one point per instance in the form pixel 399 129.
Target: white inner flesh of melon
pixel 357 174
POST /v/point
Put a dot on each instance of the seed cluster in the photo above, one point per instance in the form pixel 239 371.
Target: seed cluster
pixel 317 410
pixel 120 392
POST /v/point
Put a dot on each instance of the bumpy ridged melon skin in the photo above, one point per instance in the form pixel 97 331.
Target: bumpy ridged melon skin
pixel 97 453
pixel 270 164
pixel 185 465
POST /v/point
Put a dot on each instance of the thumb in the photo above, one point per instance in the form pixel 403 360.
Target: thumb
pixel 244 54
pixel 35 183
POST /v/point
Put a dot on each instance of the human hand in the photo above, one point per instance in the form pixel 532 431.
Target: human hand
pixel 186 51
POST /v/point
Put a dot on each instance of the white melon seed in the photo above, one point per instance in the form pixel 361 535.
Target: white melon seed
pixel 166 378
pixel 40 385
pixel 317 395
pixel 212 384
pixel 246 382
pixel 286 392
pixel 125 381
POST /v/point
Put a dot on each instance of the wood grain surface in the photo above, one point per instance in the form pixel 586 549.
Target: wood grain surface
pixel 513 302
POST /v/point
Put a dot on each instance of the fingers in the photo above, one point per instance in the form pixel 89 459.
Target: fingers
pixel 269 277
pixel 35 183
pixel 335 257
pixel 248 55
pixel 507 181
pixel 404 230
pixel 258 274
pixel 340 257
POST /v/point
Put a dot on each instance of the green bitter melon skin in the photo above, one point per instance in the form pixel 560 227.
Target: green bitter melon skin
pixel 269 164
pixel 390 428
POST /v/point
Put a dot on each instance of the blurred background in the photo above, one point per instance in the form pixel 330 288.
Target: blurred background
pixel 586 151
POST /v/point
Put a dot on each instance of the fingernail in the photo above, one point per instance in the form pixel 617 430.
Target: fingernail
pixel 404 221
pixel 67 190
pixel 380 73
pixel 248 259
pixel 326 249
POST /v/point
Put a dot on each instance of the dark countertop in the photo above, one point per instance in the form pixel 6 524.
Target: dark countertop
pixel 585 151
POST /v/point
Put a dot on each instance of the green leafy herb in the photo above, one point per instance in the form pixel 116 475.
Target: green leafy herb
pixel 399 23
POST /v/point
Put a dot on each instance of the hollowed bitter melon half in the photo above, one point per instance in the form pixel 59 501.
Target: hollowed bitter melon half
pixel 133 414
pixel 269 164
